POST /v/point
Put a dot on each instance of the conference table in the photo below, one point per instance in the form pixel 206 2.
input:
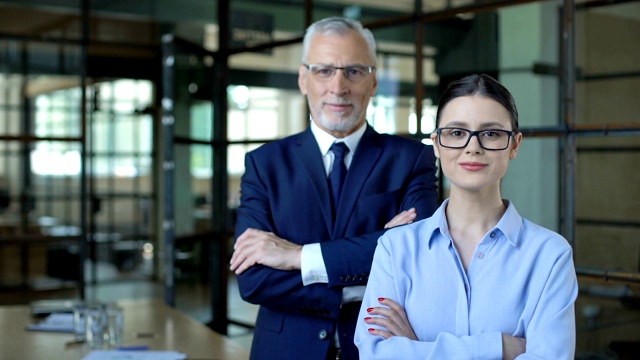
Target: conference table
pixel 147 323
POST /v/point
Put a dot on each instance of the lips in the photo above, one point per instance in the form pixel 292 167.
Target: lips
pixel 473 166
pixel 337 107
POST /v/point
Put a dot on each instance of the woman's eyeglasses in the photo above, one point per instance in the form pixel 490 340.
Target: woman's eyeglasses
pixel 489 139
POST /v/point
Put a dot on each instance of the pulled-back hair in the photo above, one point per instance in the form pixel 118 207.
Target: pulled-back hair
pixel 338 26
pixel 481 85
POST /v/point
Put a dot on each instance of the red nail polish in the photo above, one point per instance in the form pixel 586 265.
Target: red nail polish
pixel 370 329
pixel 380 299
pixel 369 309
pixel 367 319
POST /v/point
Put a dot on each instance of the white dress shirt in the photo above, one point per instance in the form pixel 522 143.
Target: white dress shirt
pixel 312 265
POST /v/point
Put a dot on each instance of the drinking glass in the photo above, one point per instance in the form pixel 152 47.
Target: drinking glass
pixel 96 325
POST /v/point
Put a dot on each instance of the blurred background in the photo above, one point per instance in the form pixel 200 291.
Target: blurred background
pixel 124 125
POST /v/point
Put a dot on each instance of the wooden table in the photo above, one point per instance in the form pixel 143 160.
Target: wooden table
pixel 146 322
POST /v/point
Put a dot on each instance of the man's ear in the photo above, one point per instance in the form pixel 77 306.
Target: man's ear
pixel 302 80
pixel 374 89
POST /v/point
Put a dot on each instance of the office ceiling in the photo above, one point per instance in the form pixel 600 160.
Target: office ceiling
pixel 134 26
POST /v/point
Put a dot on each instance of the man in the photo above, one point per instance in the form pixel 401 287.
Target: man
pixel 302 252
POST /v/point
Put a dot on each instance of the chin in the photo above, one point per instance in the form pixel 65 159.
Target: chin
pixel 339 124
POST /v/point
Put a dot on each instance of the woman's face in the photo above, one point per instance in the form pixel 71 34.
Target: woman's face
pixel 474 168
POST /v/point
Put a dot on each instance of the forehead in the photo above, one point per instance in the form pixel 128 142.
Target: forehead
pixel 475 112
pixel 334 49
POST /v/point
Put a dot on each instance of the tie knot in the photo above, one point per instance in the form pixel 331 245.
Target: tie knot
pixel 339 149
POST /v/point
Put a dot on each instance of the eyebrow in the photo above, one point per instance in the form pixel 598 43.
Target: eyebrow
pixel 343 66
pixel 485 125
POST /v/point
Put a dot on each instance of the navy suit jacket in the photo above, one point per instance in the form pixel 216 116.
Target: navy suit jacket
pixel 285 191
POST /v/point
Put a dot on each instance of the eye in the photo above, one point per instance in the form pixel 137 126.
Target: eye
pixel 457 133
pixel 323 71
pixel 492 134
pixel 354 71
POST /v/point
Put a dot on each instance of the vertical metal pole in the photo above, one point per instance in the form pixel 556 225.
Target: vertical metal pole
pixel 419 86
pixel 84 241
pixel 308 13
pixel 27 183
pixel 219 264
pixel 568 225
pixel 168 165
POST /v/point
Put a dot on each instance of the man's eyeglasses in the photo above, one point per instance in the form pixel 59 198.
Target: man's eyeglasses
pixel 489 139
pixel 353 73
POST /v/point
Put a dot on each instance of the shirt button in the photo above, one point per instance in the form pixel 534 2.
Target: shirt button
pixel 322 334
pixel 492 235
pixel 480 255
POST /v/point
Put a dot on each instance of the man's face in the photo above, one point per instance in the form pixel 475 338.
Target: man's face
pixel 338 105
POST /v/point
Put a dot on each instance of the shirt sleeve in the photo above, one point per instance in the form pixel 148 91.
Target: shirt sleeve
pixel 381 283
pixel 551 332
pixel 312 266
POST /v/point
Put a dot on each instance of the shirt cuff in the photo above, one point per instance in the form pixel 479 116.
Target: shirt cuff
pixel 487 345
pixel 312 265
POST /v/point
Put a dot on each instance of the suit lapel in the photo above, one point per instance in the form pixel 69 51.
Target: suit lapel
pixel 307 151
pixel 365 158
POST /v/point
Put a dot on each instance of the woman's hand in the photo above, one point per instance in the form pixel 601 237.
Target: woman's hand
pixel 392 318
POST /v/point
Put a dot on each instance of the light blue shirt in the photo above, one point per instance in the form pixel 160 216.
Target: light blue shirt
pixel 521 281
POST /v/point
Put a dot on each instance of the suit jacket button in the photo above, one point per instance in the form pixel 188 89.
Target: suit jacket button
pixel 322 334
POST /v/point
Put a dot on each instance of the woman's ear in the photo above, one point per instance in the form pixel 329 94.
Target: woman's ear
pixel 517 140
pixel 434 137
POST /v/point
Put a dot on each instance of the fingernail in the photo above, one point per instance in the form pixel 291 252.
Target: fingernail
pixel 369 309
pixel 370 329
pixel 367 319
pixel 380 299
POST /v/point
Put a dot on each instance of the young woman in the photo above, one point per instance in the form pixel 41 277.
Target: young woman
pixel 475 280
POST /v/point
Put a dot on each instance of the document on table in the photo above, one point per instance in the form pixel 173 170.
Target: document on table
pixel 54 322
pixel 134 355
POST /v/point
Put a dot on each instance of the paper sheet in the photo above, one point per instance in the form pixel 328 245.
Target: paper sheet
pixel 134 355
pixel 54 322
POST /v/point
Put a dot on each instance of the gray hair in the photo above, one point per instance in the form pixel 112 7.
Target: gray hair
pixel 338 26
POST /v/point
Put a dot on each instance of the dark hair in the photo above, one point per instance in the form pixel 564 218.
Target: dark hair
pixel 481 85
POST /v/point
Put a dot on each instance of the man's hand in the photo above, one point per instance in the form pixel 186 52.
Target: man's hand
pixel 393 319
pixel 405 217
pixel 512 346
pixel 261 247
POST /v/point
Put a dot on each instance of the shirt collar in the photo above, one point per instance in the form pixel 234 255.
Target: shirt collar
pixel 325 140
pixel 510 225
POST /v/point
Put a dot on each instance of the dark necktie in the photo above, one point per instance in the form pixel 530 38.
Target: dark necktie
pixel 338 172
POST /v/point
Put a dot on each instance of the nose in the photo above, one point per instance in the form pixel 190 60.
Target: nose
pixel 473 146
pixel 339 83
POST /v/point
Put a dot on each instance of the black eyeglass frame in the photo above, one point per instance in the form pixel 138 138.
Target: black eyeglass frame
pixel 476 133
pixel 365 68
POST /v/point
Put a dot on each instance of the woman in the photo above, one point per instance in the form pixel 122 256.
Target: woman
pixel 475 280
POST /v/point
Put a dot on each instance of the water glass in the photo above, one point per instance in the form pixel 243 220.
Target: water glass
pixel 115 324
pixel 96 325
pixel 79 321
